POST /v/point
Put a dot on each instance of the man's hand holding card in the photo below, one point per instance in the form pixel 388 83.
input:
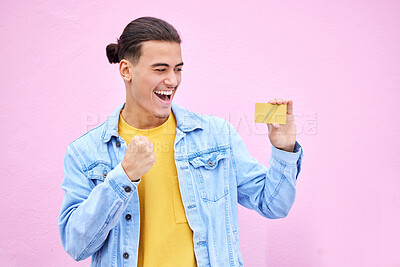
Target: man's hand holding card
pixel 278 114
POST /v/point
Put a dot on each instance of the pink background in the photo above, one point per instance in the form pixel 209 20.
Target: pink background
pixel 338 60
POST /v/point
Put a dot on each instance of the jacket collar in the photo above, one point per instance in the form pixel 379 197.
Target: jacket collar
pixel 186 121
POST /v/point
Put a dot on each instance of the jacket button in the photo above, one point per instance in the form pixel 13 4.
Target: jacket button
pixel 210 163
pixel 126 255
pixel 118 144
pixel 128 189
pixel 128 217
pixel 201 243
pixel 104 174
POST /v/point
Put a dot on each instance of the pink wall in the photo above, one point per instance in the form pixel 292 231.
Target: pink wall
pixel 338 61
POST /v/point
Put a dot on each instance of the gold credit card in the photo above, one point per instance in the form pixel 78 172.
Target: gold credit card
pixel 268 113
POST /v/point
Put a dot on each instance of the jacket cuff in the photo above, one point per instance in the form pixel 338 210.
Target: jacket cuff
pixel 285 157
pixel 120 182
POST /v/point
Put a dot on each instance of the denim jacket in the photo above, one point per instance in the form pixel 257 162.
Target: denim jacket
pixel 100 210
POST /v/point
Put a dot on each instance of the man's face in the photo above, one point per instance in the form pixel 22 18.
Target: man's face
pixel 155 79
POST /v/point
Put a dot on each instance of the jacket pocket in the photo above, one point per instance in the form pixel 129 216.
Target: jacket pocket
pixel 211 174
pixel 98 171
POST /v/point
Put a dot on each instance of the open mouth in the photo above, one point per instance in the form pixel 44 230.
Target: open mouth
pixel 164 95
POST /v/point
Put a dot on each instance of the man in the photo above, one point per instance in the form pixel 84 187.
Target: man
pixel 151 187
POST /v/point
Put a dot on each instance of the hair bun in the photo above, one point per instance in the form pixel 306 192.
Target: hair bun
pixel 112 53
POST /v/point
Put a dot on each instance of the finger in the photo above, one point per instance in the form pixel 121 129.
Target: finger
pixel 282 101
pixel 290 107
pixel 272 126
pixel 150 147
pixel 141 146
pixel 150 144
pixel 136 139
pixel 273 101
pixel 143 138
pixel 278 101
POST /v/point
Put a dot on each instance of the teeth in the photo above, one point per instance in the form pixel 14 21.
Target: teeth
pixel 164 92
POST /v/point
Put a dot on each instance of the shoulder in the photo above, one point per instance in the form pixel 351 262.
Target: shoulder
pixel 87 146
pixel 208 124
pixel 92 136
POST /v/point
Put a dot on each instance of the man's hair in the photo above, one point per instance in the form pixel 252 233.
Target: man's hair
pixel 140 30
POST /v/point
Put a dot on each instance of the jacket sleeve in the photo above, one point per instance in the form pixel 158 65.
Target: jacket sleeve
pixel 89 212
pixel 270 191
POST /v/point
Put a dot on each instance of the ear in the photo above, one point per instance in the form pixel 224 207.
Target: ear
pixel 125 69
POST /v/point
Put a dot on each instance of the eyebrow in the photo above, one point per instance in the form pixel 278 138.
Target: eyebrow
pixel 165 65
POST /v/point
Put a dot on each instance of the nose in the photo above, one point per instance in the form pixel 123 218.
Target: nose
pixel 171 80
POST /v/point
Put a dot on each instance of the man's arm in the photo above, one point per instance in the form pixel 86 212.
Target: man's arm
pixel 271 192
pixel 89 212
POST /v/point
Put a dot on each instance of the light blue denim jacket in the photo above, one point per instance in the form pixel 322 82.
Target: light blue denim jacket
pixel 215 172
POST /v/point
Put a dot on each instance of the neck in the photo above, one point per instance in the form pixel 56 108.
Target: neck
pixel 140 120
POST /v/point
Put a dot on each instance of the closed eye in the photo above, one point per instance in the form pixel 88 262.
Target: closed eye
pixel 160 70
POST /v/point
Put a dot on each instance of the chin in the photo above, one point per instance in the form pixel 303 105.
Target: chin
pixel 163 115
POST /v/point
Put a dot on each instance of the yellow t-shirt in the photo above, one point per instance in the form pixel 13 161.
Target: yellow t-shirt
pixel 165 236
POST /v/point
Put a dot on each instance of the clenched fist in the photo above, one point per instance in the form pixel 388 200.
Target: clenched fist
pixel 139 158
